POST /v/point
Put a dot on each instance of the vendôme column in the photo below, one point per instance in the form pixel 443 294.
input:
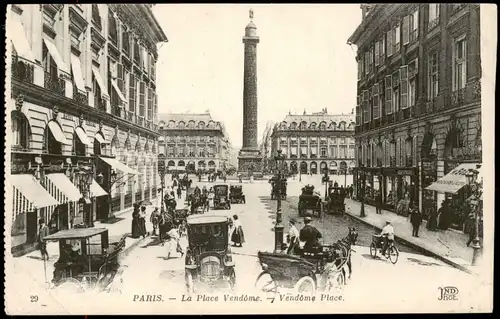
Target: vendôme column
pixel 249 158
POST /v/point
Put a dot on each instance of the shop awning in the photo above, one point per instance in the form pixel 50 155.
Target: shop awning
pixel 454 180
pixel 82 136
pixel 98 78
pixel 96 190
pixel 29 194
pixel 18 38
pixel 77 72
pixel 56 130
pixel 118 91
pixel 54 53
pixel 61 188
pixel 101 139
pixel 115 164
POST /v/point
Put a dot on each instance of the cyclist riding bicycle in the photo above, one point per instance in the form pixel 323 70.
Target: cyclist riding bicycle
pixel 388 235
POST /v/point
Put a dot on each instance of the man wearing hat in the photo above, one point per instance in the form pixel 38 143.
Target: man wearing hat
pixel 388 235
pixel 310 235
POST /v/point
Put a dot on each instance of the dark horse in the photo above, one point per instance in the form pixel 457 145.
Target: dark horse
pixel 342 250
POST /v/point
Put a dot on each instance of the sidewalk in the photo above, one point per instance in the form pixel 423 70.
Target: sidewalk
pixel 446 245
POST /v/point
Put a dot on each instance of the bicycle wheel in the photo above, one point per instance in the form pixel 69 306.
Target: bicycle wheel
pixel 373 250
pixel 393 254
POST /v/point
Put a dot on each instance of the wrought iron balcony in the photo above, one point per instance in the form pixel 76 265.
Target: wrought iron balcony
pixel 80 98
pixel 53 83
pixel 22 71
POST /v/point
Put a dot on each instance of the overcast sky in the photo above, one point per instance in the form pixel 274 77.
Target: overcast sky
pixel 303 61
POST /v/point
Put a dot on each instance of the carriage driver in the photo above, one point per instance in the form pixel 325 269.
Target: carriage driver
pixel 310 235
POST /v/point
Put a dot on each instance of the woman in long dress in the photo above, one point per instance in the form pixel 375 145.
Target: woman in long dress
pixel 136 227
pixel 238 238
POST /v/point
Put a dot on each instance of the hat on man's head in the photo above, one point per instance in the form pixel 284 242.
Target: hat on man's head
pixel 293 221
pixel 307 219
pixel 387 221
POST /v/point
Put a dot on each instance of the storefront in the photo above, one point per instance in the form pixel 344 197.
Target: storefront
pixel 394 184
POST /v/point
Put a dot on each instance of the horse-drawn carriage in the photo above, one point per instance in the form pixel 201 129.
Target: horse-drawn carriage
pixel 274 188
pixel 236 194
pixel 221 197
pixel 87 260
pixel 309 200
pixel 323 270
pixel 335 202
pixel 185 182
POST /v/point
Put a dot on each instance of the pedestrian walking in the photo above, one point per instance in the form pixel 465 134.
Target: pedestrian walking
pixel 179 192
pixel 136 227
pixel 174 243
pixel 416 220
pixel 378 203
pixel 155 220
pixel 142 221
pixel 472 229
pixel 238 237
pixel 43 231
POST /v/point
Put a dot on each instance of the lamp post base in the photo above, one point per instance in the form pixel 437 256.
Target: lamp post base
pixel 278 237
pixel 476 253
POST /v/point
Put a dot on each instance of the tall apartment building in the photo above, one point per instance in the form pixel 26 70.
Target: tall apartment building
pixel 313 143
pixel 193 142
pixel 419 98
pixel 266 148
pixel 83 112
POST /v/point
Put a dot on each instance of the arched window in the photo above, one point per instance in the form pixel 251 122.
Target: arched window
pixel 100 144
pixel 201 124
pixel 53 137
pixel 342 126
pixel 312 126
pixel 293 126
pixel 79 149
pixel 322 126
pixel 181 124
pixel 333 126
pixel 191 124
pixel 21 131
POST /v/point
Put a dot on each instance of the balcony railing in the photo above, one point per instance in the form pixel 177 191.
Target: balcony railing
pixel 22 71
pixel 80 98
pixel 53 83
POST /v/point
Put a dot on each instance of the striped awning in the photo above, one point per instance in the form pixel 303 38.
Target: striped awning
pixel 29 194
pixel 61 188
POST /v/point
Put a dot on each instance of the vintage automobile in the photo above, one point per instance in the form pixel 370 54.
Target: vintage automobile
pixel 209 259
pixel 274 189
pixel 310 201
pixel 221 197
pixel 335 202
pixel 236 194
pixel 87 260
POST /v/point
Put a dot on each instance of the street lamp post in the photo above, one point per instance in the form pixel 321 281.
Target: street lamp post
pixel 362 197
pixel 476 193
pixel 278 227
pixel 326 178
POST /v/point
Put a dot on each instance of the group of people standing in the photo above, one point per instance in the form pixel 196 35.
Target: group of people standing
pixel 308 237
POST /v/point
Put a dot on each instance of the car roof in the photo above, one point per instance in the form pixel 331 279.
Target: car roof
pixel 206 219
pixel 76 233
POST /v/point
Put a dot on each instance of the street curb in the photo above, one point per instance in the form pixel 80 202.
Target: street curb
pixel 417 247
pixel 133 245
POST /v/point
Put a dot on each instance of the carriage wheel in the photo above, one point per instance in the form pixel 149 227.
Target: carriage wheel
pixel 232 280
pixel 266 284
pixel 393 254
pixel 189 283
pixel 373 250
pixel 305 286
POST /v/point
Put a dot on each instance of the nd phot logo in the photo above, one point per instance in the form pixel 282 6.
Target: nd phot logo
pixel 448 293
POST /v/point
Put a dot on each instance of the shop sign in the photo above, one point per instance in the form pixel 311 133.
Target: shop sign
pixel 406 172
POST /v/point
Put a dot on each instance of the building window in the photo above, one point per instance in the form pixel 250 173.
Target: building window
pixel 150 104
pixel 342 140
pixel 433 75
pixel 396 39
pixel 343 153
pixel 412 92
pixel 366 105
pixel 333 151
pixel 388 95
pixel 191 151
pixel 20 131
pixel 459 63
pixel 113 28
pixel 126 42
pixel 395 90
pixel 376 101
pixel 201 152
pixel 137 53
pixel 323 152
pixel 358 111
pixel 142 98
pixel 96 17
pixel 414 25
pixel 433 15
pixel 389 43
pixel 132 90
pixel 360 68
pixel 49 15
pixel 404 86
